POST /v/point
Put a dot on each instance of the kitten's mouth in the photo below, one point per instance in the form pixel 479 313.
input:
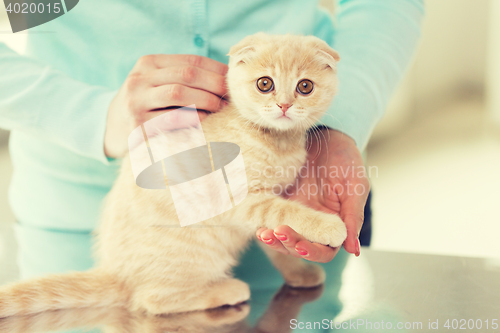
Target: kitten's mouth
pixel 283 116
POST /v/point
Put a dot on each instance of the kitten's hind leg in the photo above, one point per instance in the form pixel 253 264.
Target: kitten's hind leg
pixel 228 291
pixel 296 272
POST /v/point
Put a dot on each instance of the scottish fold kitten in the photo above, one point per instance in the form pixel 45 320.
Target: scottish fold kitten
pixel 279 87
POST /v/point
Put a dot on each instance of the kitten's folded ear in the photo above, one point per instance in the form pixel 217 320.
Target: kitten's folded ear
pixel 243 51
pixel 331 56
pixel 332 53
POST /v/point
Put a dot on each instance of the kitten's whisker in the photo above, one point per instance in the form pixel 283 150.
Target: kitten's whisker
pixel 222 97
pixel 315 131
pixel 326 141
pixel 229 123
pixel 265 136
pixel 318 150
pixel 335 119
pixel 309 142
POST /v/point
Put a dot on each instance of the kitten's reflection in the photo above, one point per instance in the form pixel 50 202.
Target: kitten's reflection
pixel 285 305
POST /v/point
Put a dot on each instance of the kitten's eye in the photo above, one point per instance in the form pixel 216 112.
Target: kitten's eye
pixel 265 84
pixel 305 87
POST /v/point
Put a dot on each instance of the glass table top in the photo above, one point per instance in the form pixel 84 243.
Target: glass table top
pixel 376 292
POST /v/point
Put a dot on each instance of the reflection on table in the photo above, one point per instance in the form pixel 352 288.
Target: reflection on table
pixel 376 292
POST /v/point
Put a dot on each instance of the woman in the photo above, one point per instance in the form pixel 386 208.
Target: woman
pixel 107 66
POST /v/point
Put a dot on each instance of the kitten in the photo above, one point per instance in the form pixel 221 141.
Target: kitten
pixel 279 87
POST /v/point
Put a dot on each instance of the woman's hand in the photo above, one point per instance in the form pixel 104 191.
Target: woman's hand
pixel 335 183
pixel 161 81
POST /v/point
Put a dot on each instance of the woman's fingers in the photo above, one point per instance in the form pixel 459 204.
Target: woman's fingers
pixel 168 60
pixel 154 61
pixel 285 240
pixel 267 237
pixel 316 252
pixel 190 76
pixel 185 119
pixel 161 81
pixel 282 238
pixel 289 238
pixel 259 232
pixel 180 95
pixel 203 115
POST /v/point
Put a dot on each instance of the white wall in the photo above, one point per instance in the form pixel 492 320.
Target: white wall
pixel 450 62
pixel 493 73
pixel 453 50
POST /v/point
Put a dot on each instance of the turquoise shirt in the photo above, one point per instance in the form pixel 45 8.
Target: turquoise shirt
pixel 55 98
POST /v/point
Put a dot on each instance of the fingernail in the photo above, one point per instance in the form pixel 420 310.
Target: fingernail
pixel 358 251
pixel 267 241
pixel 281 237
pixel 301 252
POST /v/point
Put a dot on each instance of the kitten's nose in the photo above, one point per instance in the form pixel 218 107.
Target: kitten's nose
pixel 284 107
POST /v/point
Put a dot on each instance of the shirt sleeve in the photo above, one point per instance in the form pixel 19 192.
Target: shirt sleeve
pixel 376 40
pixel 38 99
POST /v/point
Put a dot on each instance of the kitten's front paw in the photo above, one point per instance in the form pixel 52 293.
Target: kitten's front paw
pixel 326 229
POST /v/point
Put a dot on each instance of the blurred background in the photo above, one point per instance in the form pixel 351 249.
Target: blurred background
pixel 437 151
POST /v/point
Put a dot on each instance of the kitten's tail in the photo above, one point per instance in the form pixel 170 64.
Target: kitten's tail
pixel 62 291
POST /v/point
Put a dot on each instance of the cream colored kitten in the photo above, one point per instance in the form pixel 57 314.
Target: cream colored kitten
pixel 147 262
